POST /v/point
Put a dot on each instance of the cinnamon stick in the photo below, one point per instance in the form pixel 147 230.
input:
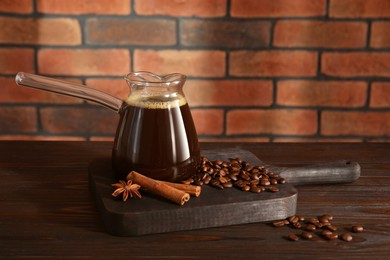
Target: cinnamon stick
pixel 190 189
pixel 178 196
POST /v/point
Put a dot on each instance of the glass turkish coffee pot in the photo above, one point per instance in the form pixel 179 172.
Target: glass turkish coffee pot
pixel 156 135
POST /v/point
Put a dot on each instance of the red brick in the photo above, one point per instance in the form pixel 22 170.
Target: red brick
pixel 75 62
pixel 356 64
pixel 292 33
pixel 359 8
pixel 380 94
pixel 13 60
pixel 16 6
pixel 321 93
pixel 145 32
pixel 12 93
pixel 273 63
pixel 52 31
pixel 277 8
pixel 229 92
pixel 42 138
pixel 235 139
pixel 208 121
pixel 277 121
pixel 226 34
pixel 102 138
pixel 84 7
pixel 18 119
pixel 371 123
pixel 381 140
pixel 80 120
pixel 317 140
pixel 115 87
pixel 380 35
pixel 200 8
pixel 189 62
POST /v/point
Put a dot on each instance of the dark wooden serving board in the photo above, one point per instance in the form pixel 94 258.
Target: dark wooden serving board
pixel 213 208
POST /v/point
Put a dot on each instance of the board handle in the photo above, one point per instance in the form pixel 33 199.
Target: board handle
pixel 323 173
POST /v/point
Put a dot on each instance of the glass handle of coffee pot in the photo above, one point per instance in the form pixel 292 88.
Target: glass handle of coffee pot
pixel 69 89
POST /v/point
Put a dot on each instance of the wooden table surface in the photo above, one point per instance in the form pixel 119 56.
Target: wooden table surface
pixel 47 210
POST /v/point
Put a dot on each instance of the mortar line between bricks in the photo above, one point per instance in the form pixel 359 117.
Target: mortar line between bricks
pixel 319 113
pixel 368 35
pixel 228 7
pixel 274 93
pixel 314 136
pixel 368 95
pixel 227 108
pixel 327 8
pixel 196 48
pixel 133 9
pixel 224 123
pixel 178 26
pixel 34 7
pixel 134 15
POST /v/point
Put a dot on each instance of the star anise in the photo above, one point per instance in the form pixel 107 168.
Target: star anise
pixel 127 188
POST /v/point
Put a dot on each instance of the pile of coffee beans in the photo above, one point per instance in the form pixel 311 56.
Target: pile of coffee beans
pixel 320 226
pixel 235 173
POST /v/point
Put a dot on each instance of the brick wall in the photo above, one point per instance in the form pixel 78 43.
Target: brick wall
pixel 259 70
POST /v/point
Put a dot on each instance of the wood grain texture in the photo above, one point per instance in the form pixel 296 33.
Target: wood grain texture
pixel 46 209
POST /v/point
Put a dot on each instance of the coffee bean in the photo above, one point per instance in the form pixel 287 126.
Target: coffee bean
pixel 223 180
pixel 188 181
pixel 293 219
pixel 327 216
pixel 255 176
pixel 244 176
pixel 255 189
pixel 357 229
pixel 273 189
pixel 323 219
pixel 265 182
pixel 235 172
pixel 218 162
pixel 310 227
pixel 297 225
pixel 293 237
pixel 207 179
pixel 331 228
pixel 326 232
pixel 312 220
pixel 332 236
pixel 306 235
pixel 233 176
pixel 346 237
pixel 228 184
pixel 216 184
pixel 246 188
pixel 279 223
pixel 198 183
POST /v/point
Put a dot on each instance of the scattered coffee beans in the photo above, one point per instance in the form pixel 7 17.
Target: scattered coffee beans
pixel 331 236
pixel 293 237
pixel 238 173
pixel 320 226
pixel 346 237
pixel 306 235
pixel 357 229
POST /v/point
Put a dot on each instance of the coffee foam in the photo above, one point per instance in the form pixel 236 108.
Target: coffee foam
pixel 156 102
